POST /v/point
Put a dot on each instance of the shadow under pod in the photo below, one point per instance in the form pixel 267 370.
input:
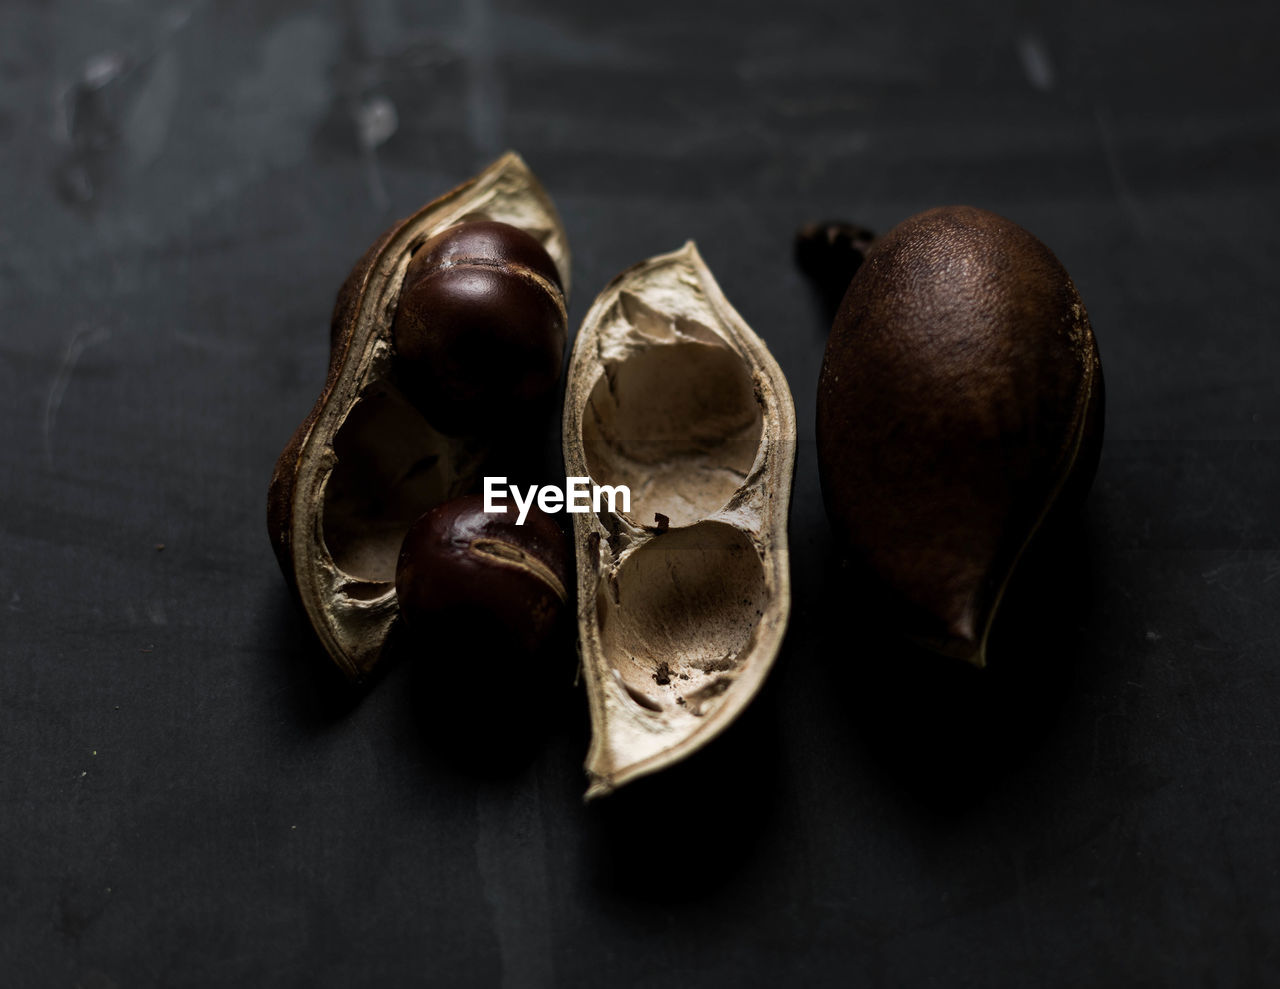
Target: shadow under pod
pixel 481 709
pixel 319 691
pixel 685 832
pixel 943 733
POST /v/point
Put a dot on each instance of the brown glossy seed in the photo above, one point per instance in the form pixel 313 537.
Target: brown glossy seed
pixel 480 327
pixel 469 577
pixel 960 400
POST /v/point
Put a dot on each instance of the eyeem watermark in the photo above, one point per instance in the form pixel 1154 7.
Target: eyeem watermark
pixel 577 495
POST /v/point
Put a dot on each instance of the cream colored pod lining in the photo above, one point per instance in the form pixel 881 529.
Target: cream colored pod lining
pixel 683 600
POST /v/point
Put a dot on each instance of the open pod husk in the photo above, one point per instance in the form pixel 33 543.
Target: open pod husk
pixel 364 464
pixel 683 600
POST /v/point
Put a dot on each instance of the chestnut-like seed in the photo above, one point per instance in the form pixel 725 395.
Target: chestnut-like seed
pixel 480 327
pixel 960 400
pixel 477 579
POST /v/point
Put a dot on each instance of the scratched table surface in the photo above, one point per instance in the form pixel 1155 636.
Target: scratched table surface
pixel 186 799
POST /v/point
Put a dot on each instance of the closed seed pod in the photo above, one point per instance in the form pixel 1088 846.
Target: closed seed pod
pixel 960 402
pixel 684 599
pixel 365 464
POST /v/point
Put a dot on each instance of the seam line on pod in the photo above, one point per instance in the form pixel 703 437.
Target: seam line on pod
pixel 980 657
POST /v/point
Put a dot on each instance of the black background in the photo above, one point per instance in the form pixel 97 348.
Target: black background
pixel 186 800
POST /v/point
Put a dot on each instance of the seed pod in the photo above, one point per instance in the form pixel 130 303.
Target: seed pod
pixel 365 464
pixel 684 599
pixel 960 400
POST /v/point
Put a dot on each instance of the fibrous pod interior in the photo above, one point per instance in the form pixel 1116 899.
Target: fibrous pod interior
pixel 683 600
pixel 364 464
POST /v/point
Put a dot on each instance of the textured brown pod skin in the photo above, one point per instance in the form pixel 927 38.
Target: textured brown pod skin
pixel 683 601
pixel 364 464
pixel 960 401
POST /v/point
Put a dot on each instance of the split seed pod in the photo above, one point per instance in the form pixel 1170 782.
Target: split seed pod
pixel 960 400
pixel 365 464
pixel 683 600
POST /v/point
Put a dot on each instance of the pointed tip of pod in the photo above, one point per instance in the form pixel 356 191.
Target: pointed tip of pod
pixel 965 638
pixel 599 787
pixel 969 639
pixel 605 778
pixel 967 650
pixel 964 650
pixel 689 249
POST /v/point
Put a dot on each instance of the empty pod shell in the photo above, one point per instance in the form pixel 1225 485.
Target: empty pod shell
pixel 682 600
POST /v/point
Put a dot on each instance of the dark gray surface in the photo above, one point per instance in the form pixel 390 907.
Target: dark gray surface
pixel 183 800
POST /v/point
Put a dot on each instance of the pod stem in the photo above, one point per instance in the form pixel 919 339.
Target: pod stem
pixel 830 253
